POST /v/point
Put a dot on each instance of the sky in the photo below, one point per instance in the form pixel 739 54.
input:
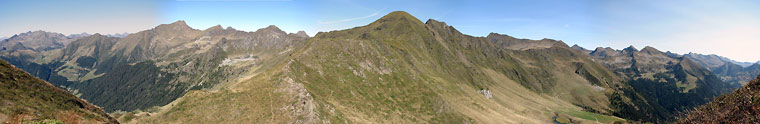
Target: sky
pixel 729 28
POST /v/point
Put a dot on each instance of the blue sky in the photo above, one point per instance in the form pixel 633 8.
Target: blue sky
pixel 729 28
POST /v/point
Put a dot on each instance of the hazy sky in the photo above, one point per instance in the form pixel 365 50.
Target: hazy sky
pixel 728 28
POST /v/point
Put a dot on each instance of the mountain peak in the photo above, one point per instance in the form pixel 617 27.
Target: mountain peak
pixel 216 27
pixel 178 25
pixel 651 50
pixel 493 34
pixel 398 16
pixel 83 34
pixel 302 34
pixel 179 22
pixel 575 46
pixel 604 51
pixel 271 28
pixel 229 28
pixel 433 21
pixel 630 49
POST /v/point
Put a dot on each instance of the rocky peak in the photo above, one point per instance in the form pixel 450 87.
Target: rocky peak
pixel 600 51
pixel 442 27
pixel 630 49
pixel 672 55
pixel 179 23
pixel 216 27
pixel 575 46
pixel 301 34
pixel 436 23
pixel 651 50
pixel 83 34
pixel 271 29
pixel 229 28
pixel 215 30
pixel 176 26
pixel 500 36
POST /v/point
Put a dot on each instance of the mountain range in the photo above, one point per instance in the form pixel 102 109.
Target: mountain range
pixel 728 70
pixel 672 83
pixel 396 69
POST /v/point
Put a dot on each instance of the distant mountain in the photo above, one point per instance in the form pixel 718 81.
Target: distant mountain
pixel 713 61
pixel 80 35
pixel 728 70
pixel 84 34
pixel 3 38
pixel 734 73
pixel 669 83
pixel 117 35
pixel 581 48
pixel 300 34
pixel 26 99
pixel 742 106
pixel 36 41
pixel 27 50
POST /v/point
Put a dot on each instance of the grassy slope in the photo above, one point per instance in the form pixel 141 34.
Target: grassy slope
pixel 26 98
